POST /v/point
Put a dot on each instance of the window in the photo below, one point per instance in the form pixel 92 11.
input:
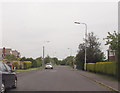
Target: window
pixel 8 68
pixel 3 68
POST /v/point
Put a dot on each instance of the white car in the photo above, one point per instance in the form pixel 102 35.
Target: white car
pixel 48 66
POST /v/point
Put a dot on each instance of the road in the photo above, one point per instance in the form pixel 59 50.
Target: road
pixel 61 78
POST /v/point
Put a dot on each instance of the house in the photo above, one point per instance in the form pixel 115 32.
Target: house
pixel 7 51
pixel 4 51
pixel 111 54
pixel 0 54
pixel 15 53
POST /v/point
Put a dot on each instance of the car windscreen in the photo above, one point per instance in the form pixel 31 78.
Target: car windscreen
pixel 0 66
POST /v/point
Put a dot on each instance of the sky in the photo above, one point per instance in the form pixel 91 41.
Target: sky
pixel 27 26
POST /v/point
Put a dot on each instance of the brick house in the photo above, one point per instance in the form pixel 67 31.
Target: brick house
pixel 7 51
pixel 15 53
pixel 111 55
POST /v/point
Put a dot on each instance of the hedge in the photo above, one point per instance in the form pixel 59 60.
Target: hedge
pixel 90 67
pixel 103 67
pixel 27 64
pixel 15 64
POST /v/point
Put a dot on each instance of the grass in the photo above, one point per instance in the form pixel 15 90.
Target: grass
pixel 30 69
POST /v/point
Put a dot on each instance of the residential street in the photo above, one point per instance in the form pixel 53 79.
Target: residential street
pixel 61 78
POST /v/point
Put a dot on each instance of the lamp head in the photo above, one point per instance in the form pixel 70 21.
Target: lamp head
pixel 77 22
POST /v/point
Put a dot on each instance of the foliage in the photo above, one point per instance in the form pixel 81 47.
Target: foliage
pixel 4 60
pixel 47 60
pixel 15 64
pixel 69 60
pixel 103 67
pixel 94 53
pixel 10 57
pixel 27 64
pixel 80 60
pixel 63 62
pixel 34 63
pixel 112 40
pixel 90 67
pixel 56 61
pixel 38 61
pixel 23 59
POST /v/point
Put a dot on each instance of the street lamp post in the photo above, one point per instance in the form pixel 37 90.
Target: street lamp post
pixel 44 54
pixel 70 51
pixel 85 41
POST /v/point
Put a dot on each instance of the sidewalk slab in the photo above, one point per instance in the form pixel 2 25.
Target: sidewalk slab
pixel 111 83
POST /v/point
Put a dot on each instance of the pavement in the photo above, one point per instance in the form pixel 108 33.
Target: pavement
pixel 107 82
pixel 61 78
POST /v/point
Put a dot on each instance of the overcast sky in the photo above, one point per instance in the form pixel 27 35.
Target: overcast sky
pixel 26 26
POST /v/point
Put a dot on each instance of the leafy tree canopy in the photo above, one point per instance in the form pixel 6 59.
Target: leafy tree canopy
pixel 94 54
pixel 112 40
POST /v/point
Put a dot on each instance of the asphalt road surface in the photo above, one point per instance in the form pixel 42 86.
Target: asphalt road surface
pixel 61 78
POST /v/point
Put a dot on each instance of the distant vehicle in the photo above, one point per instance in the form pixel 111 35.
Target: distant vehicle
pixel 49 66
pixel 7 76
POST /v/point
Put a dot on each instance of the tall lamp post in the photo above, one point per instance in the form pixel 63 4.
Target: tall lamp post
pixel 44 53
pixel 70 51
pixel 85 41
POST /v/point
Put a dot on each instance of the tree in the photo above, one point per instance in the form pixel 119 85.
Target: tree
pixel 62 62
pixel 39 61
pixel 112 40
pixel 94 53
pixel 69 60
pixel 114 43
pixel 23 59
pixel 56 61
pixel 34 63
pixel 47 60
pixel 10 57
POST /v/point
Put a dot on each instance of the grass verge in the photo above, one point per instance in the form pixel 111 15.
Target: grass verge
pixel 25 70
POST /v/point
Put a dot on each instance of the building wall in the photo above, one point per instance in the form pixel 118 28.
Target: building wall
pixel 111 55
pixel 16 53
pixel 8 51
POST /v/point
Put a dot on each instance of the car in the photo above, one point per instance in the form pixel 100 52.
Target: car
pixel 8 78
pixel 48 66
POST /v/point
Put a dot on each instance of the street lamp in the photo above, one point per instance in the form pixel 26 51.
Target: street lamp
pixel 70 51
pixel 85 40
pixel 44 52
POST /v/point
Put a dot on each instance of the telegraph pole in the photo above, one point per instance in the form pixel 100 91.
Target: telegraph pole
pixel 43 56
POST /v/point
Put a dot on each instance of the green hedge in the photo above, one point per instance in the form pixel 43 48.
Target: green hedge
pixel 27 64
pixel 90 67
pixel 103 67
pixel 15 64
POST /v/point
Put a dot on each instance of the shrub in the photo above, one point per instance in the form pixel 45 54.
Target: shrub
pixel 103 67
pixel 91 67
pixel 15 64
pixel 27 64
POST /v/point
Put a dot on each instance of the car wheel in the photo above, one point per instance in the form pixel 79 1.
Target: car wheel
pixel 2 88
pixel 15 84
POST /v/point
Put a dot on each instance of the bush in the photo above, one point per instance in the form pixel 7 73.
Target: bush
pixel 15 64
pixel 103 67
pixel 90 67
pixel 27 64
